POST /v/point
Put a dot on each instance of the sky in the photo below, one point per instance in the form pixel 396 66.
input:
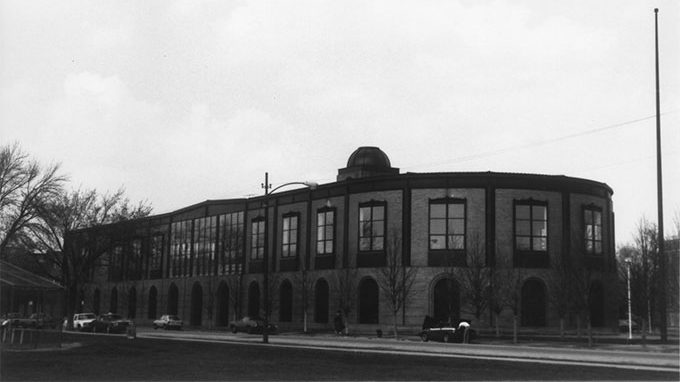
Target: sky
pixel 183 101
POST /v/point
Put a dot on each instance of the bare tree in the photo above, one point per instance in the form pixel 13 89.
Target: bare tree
pixel 234 282
pixel 345 289
pixel 476 277
pixel 395 279
pixel 560 297
pixel 70 255
pixel 26 187
pixel 507 290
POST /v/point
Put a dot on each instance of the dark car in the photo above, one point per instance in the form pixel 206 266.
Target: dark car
pixel 168 321
pixel 460 331
pixel 43 320
pixel 16 320
pixel 111 323
pixel 251 325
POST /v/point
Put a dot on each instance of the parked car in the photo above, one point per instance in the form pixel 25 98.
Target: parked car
pixel 16 320
pixel 460 331
pixel 623 324
pixel 83 321
pixel 111 323
pixel 168 321
pixel 251 325
pixel 43 320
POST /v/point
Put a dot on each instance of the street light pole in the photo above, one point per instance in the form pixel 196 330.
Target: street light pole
pixel 630 312
pixel 265 255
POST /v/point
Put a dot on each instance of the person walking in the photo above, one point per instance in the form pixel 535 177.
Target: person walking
pixel 338 323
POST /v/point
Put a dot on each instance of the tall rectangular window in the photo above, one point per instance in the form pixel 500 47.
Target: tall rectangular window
pixel 257 239
pixel 372 226
pixel 156 256
pixel 204 245
pixel 180 248
pixel 231 243
pixel 116 264
pixel 289 236
pixel 531 226
pixel 592 223
pixel 447 224
pixel 325 232
pixel 134 261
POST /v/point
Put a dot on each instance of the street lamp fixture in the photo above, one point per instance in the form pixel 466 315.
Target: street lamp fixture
pixel 265 270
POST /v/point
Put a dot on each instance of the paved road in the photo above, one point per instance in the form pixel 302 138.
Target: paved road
pixel 626 359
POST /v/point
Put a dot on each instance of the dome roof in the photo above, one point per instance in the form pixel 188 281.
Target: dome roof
pixel 368 156
pixel 367 161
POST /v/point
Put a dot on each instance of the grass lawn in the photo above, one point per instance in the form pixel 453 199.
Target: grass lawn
pixel 115 358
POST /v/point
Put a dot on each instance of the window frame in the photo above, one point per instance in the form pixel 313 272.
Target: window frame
pixel 592 210
pixel 291 248
pixel 323 229
pixel 257 244
pixel 372 221
pixel 446 202
pixel 531 203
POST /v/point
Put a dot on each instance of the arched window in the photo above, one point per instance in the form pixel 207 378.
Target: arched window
pixel 596 304
pixel 196 304
pixel 533 303
pixel 153 297
pixel 254 299
pixel 321 302
pixel 446 300
pixel 113 306
pixel 173 299
pixel 222 318
pixel 286 302
pixel 96 301
pixel 132 303
pixel 368 301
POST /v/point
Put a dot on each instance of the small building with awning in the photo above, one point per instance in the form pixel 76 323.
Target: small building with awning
pixel 25 292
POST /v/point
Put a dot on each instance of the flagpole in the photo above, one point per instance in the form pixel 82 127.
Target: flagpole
pixel 659 188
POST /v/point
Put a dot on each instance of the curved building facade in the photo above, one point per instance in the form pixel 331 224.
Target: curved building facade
pixel 478 245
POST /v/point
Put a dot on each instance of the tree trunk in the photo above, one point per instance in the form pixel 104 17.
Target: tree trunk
pixel 514 329
pixel 498 325
pixel 394 322
pixel 304 321
pixel 644 334
pixel 590 333
pixel 562 328
pixel 578 326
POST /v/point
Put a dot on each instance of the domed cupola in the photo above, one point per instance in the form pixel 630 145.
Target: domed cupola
pixel 366 162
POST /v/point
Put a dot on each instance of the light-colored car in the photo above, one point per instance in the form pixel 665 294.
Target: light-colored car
pixel 251 325
pixel 83 321
pixel 168 321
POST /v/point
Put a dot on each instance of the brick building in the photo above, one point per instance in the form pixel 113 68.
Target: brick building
pixel 332 243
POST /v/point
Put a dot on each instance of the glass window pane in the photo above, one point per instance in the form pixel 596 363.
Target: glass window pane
pixel 379 213
pixel 378 244
pixel 598 233
pixel 320 247
pixel 329 217
pixel 598 247
pixel 523 243
pixel 456 226
pixel 456 210
pixel 438 226
pixel 293 250
pixel 329 247
pixel 522 212
pixel 456 242
pixel 320 233
pixel 540 244
pixel 329 233
pixel 365 244
pixel 522 227
pixel 364 214
pixel 589 232
pixel 437 210
pixel 437 242
pixel 589 246
pixel 366 229
pixel 539 213
pixel 539 229
pixel 598 217
pixel 293 236
pixel 320 219
pixel 379 228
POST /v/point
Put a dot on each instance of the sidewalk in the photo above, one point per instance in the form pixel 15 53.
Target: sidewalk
pixel 615 355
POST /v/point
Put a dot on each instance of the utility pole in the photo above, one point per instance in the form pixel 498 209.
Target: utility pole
pixel 659 188
pixel 265 270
